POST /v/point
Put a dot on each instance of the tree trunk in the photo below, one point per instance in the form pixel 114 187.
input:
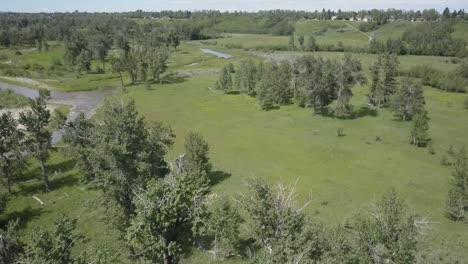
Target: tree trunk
pixel 168 258
pixel 121 79
pixel 44 174
pixel 104 65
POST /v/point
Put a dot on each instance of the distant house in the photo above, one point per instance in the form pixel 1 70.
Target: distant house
pixel 333 18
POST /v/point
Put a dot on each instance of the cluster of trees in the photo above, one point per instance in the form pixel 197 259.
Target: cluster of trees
pixel 309 81
pixel 453 81
pixel 424 39
pixel 33 138
pixel 457 198
pixel 405 98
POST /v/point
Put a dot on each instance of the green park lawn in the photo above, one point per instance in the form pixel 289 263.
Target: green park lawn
pixel 341 175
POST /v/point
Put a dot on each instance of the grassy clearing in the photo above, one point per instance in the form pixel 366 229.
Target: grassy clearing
pixel 344 173
pixel 332 32
pixel 393 30
pixel 9 99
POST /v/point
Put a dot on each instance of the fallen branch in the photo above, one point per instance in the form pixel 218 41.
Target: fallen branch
pixel 38 200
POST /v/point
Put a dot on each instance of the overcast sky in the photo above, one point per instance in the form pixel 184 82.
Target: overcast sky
pixel 244 5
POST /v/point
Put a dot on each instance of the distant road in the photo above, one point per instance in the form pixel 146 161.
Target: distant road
pixel 217 54
pixel 81 102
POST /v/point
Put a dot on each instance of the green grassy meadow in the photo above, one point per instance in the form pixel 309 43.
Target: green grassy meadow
pixel 342 175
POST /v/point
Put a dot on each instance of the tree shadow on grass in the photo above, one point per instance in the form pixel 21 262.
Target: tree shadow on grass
pixel 170 79
pixel 24 216
pixel 38 186
pixel 63 166
pixel 233 92
pixel 365 111
pixel 217 177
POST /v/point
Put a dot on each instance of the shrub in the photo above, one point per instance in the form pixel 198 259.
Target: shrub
pixel 340 132
pixel 444 161
pixel 18 53
pixel 37 67
pixel 430 149
pixel 99 70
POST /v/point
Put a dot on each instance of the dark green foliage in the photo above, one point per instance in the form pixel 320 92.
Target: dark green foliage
pixel 427 38
pixel 281 229
pixel 390 71
pixel 12 160
pixel 457 199
pixel 224 82
pixel 37 137
pixel 291 44
pixel 409 99
pixel 419 129
pixel 311 44
pixel 300 39
pixel 78 135
pixel 376 94
pixel 389 234
pixel 383 80
pixel 77 52
pixel 197 161
pixel 247 77
pixel 433 39
pixel 230 68
pixel 54 246
pixel 169 214
pixel 455 205
pixel 57 120
pixel 10 245
pixel 274 88
pixel 319 82
pixel 224 228
pixel 100 44
pixel 340 132
pixel 126 152
pixel 348 74
pixel 454 81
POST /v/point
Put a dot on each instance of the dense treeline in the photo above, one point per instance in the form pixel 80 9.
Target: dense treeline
pixel 455 81
pixel 425 39
pixel 309 81
pixel 161 209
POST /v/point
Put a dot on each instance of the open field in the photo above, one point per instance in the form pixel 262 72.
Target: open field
pixel 342 175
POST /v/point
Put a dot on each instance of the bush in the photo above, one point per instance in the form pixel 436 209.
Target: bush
pixel 340 132
pixel 18 53
pixel 99 70
pixel 444 161
pixel 37 67
pixel 430 149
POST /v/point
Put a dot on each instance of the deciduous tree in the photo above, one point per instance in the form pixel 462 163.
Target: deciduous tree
pixel 38 139
pixel 12 160
pixel 419 129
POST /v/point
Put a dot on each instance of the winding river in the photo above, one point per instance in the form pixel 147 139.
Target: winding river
pixel 80 102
